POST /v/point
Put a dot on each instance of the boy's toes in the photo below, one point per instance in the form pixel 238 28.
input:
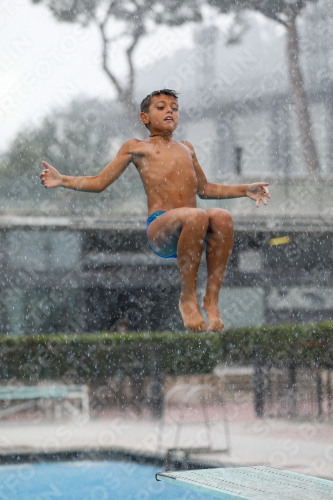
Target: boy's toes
pixel 196 327
pixel 215 321
pixel 200 328
pixel 192 317
pixel 216 325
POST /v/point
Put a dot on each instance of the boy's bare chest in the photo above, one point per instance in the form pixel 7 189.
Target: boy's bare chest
pixel 159 162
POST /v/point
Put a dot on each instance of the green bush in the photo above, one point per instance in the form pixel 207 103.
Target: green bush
pixel 94 356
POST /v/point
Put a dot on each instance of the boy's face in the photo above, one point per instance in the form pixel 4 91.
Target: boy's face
pixel 162 116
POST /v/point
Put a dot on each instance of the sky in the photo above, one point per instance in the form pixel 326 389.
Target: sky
pixel 44 64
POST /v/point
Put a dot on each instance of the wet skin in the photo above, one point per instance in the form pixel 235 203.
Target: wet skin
pixel 172 179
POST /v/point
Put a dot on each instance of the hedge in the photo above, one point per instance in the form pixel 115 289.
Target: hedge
pixel 90 356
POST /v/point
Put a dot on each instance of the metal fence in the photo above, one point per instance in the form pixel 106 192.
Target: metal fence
pixel 292 388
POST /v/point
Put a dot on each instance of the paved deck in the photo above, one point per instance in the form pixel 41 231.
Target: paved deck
pixel 297 446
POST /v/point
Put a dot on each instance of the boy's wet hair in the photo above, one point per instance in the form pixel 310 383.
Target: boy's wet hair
pixel 144 107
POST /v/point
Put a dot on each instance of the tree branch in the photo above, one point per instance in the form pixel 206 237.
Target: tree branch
pixel 105 41
pixel 137 35
pixel 108 12
pixel 272 15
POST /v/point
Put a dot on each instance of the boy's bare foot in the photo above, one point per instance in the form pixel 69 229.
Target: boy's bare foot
pixel 215 321
pixel 191 315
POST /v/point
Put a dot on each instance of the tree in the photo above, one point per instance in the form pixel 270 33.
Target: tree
pixel 285 12
pixel 318 19
pixel 123 21
pixel 79 140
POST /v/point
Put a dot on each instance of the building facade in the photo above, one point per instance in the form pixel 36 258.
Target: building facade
pixel 65 275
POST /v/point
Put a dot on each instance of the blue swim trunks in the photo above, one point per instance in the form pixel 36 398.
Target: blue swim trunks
pixel 150 219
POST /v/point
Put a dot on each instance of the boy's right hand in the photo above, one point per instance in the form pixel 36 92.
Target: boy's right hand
pixel 50 177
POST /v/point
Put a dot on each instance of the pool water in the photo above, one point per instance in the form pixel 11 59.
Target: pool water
pixel 88 480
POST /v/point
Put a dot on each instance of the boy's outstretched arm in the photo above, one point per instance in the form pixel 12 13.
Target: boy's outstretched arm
pixel 51 178
pixel 208 190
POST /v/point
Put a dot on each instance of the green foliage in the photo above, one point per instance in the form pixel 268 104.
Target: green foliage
pixel 77 137
pixel 279 342
pixel 269 8
pixel 77 140
pixel 172 12
pixel 95 356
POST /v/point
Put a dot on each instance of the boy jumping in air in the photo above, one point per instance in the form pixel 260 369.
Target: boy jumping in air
pixel 172 178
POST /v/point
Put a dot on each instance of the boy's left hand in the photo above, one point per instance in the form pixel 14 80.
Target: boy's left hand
pixel 258 192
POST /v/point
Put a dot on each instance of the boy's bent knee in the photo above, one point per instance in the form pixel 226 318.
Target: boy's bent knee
pixel 221 218
pixel 198 217
pixel 228 218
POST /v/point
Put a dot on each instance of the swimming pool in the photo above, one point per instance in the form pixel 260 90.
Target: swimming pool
pixel 87 480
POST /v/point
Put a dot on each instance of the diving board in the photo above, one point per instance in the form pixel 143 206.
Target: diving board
pixel 251 483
